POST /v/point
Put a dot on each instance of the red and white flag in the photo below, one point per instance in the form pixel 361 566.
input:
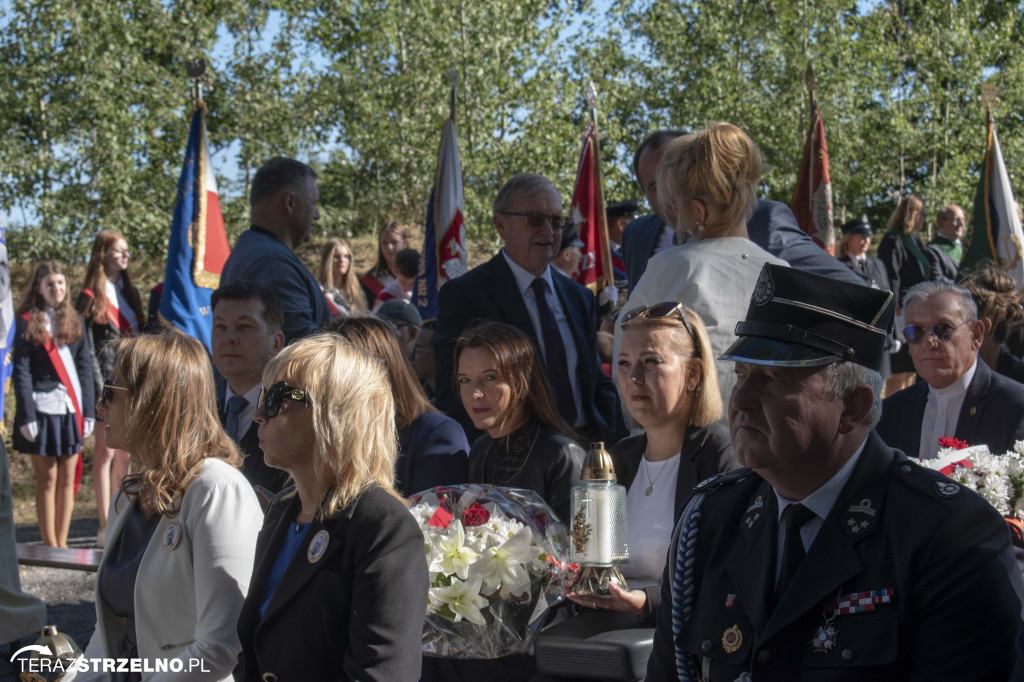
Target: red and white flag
pixel 812 196
pixel 595 271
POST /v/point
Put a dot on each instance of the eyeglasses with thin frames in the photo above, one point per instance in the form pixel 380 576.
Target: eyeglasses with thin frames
pixel 942 331
pixel 538 220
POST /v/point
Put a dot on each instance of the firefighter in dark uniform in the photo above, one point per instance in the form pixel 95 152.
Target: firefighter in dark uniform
pixel 831 556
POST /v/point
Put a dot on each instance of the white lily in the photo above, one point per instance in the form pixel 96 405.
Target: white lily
pixel 463 598
pixel 502 567
pixel 453 556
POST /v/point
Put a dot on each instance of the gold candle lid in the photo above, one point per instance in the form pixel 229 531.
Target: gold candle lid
pixel 598 465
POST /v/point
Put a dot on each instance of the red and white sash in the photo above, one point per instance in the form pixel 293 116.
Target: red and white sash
pixel 114 314
pixel 62 360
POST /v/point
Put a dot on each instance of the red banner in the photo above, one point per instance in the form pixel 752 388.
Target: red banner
pixel 812 196
pixel 587 212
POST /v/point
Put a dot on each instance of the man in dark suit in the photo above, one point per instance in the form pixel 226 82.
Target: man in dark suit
pixel 773 226
pixel 246 333
pixel 831 557
pixel 959 395
pixel 518 287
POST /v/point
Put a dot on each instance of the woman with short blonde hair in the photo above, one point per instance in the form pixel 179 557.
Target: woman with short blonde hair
pixel 707 183
pixel 182 529
pixel 337 277
pixel 340 548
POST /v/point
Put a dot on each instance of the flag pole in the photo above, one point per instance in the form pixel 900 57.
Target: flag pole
pixel 196 71
pixel 607 277
pixel 453 79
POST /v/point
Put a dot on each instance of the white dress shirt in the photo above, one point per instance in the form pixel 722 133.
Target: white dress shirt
pixel 524 280
pixel 942 412
pixel 650 520
pixel 820 502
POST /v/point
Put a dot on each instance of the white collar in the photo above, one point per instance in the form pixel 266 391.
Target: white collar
pixel 252 396
pixel 824 498
pixel 524 278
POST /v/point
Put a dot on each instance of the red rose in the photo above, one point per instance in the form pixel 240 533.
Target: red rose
pixel 955 443
pixel 475 515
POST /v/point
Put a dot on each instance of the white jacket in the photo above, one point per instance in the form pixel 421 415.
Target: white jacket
pixel 191 581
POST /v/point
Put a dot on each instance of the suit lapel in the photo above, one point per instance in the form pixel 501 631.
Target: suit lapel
pixel 572 314
pixel 507 296
pixel 833 559
pixel 974 404
pixel 268 544
pixel 751 566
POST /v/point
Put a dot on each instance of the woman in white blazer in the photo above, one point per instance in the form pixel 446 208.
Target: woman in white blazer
pixel 182 531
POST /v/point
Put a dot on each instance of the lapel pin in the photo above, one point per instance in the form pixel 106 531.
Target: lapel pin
pixel 973 410
pixel 172 535
pixel 732 639
pixel 730 599
pixel 317 547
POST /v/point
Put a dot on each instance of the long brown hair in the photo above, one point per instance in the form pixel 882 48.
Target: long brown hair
pixel 904 218
pixel 519 365
pixel 171 417
pixel 377 337
pixel 355 442
pixel 96 280
pixel 380 268
pixel 997 297
pixel 67 325
pixel 349 285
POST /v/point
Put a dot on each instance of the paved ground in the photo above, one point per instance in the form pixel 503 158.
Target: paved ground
pixel 68 594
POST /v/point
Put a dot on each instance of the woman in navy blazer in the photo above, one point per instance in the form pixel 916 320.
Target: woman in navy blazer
pixel 339 586
pixel 432 448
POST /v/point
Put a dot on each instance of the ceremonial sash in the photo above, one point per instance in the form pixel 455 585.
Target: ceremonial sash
pixel 372 283
pixel 72 386
pixel 330 304
pixel 114 315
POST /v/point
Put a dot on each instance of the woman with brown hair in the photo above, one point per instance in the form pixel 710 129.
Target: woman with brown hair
pixel 907 262
pixel 338 279
pixel 182 529
pixel 112 309
pixel 708 184
pixel 505 390
pixel 339 587
pixel 392 239
pixel 999 308
pixel 432 448
pixel 54 388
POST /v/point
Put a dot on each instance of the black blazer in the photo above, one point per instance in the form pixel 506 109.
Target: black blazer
pixel 872 271
pixel 488 292
pixel 903 269
pixel 954 611
pixel 33 371
pixel 706 452
pixel 944 268
pixel 992 414
pixel 99 336
pixel 254 468
pixel 354 614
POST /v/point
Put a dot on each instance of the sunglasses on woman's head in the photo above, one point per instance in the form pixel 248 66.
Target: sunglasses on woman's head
pixel 108 392
pixel 271 398
pixel 660 311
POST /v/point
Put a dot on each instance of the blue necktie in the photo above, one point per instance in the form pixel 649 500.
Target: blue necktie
pixel 235 406
pixel 554 351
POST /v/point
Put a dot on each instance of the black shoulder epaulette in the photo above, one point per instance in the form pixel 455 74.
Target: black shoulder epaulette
pixel 927 480
pixel 710 485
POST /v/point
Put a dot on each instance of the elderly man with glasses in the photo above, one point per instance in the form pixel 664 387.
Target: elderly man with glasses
pixel 958 395
pixel 518 287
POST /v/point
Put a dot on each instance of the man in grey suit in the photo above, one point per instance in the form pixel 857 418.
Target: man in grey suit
pixel 773 226
pixel 959 396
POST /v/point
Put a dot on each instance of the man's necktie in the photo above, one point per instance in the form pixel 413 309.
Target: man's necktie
pixel 235 406
pixel 795 516
pixel 554 351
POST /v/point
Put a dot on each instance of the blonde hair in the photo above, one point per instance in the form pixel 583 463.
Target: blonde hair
pixel 349 285
pixel 171 417
pixel 380 268
pixel 720 165
pixel 707 399
pixel 355 441
pixel 378 337
pixel 904 217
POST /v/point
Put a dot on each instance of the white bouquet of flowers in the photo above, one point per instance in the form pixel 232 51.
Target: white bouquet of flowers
pixel 489 555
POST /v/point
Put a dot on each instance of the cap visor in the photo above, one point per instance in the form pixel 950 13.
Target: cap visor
pixel 759 351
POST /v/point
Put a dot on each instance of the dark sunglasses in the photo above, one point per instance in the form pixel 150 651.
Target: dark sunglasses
pixel 537 220
pixel 107 394
pixel 271 398
pixel 915 334
pixel 660 311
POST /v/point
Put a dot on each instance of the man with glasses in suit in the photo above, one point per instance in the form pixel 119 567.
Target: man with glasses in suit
pixel 518 287
pixel 958 395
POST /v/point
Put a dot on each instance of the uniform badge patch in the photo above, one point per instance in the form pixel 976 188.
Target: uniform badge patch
pixel 947 488
pixel 764 289
pixel 730 599
pixel 732 639
pixel 824 638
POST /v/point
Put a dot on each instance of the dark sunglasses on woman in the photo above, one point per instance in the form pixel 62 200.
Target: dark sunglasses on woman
pixel 271 398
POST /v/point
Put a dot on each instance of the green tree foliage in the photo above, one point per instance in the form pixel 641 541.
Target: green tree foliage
pixel 94 110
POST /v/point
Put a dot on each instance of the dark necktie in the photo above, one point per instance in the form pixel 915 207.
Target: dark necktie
pixel 236 404
pixel 554 352
pixel 795 516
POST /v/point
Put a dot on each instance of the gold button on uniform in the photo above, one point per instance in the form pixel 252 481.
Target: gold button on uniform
pixel 269 677
pixel 847 655
pixel 705 646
